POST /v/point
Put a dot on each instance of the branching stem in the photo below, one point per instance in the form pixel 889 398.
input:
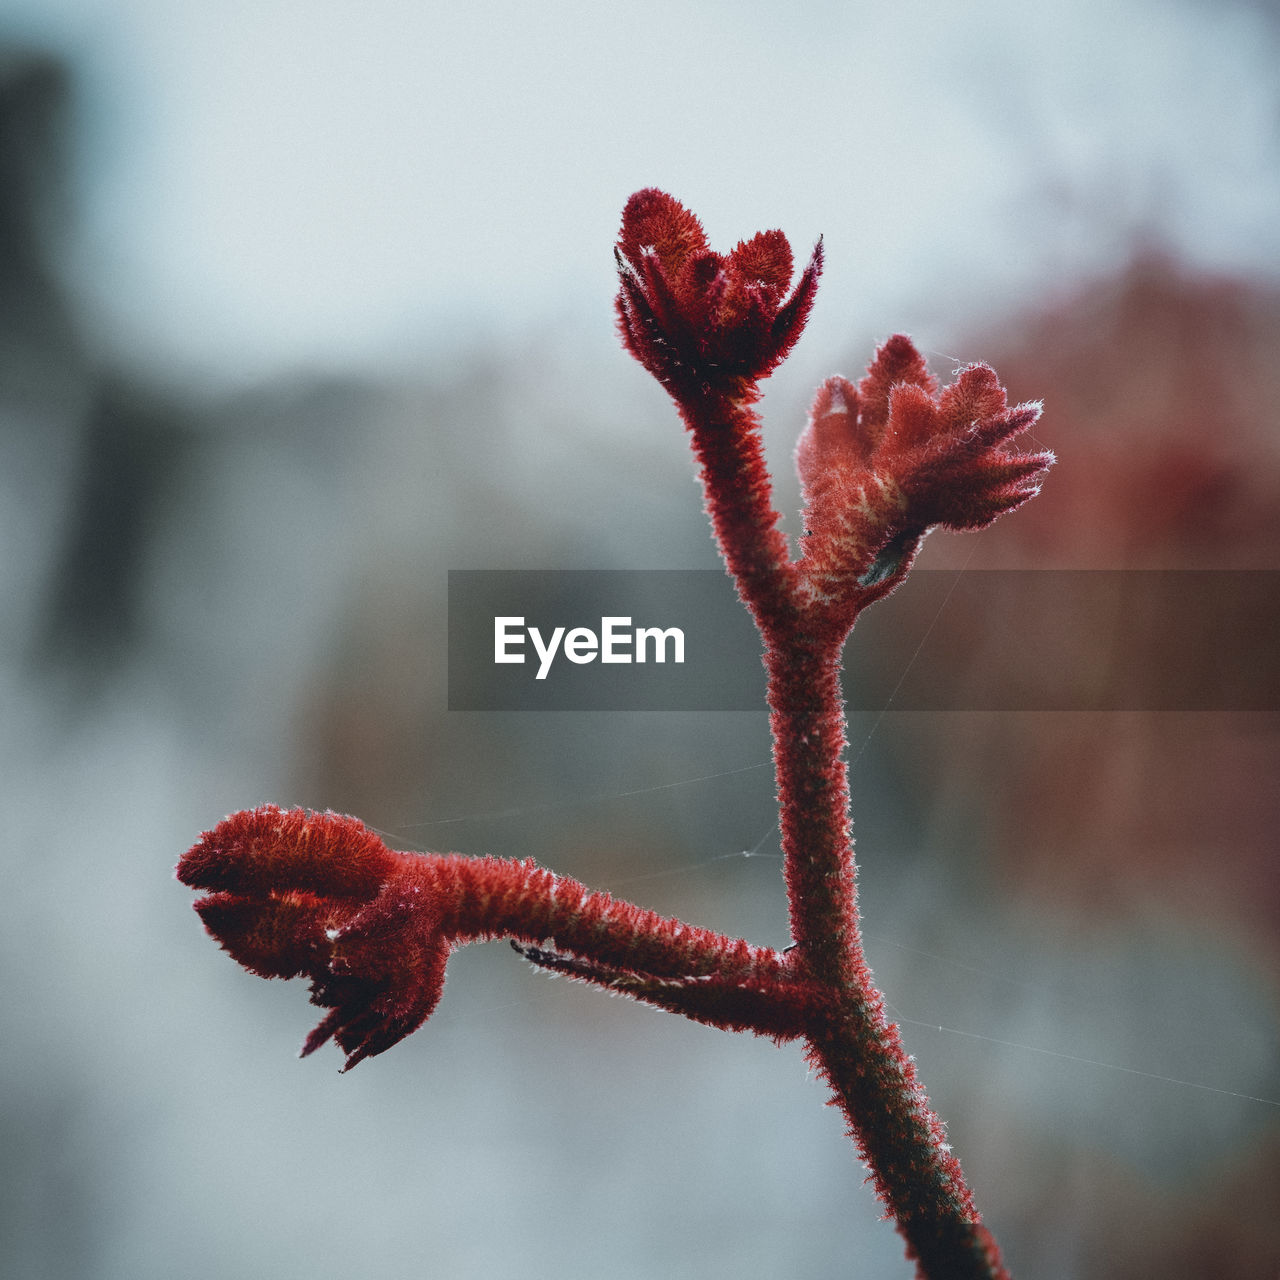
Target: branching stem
pixel 294 893
pixel 851 1041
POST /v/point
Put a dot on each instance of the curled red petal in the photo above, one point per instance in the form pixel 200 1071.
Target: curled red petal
pixel 741 338
pixel 383 981
pixel 383 971
pixel 641 334
pixel 896 361
pixel 969 493
pixel 975 395
pixel 765 259
pixel 662 293
pixel 836 404
pixel 793 315
pixel 657 222
pixel 913 417
pixel 275 937
pixel 272 848
pixel 1008 423
pixel 700 292
pixel 984 507
pixel 830 438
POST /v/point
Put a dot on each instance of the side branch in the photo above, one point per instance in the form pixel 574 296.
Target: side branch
pixel 779 1009
pixel 293 893
pixel 480 898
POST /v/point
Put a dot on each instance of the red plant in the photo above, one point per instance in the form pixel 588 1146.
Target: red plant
pixel 292 893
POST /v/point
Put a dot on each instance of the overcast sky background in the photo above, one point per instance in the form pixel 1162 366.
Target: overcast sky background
pixel 267 185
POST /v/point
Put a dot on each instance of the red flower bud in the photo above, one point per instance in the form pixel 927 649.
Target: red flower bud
pixel 704 323
pixel 319 895
pixel 883 463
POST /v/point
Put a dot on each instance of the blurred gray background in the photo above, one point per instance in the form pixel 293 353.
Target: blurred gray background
pixel 302 306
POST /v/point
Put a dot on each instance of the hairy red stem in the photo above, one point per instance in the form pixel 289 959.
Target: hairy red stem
pixel 857 1048
pixel 480 898
pixel 739 499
